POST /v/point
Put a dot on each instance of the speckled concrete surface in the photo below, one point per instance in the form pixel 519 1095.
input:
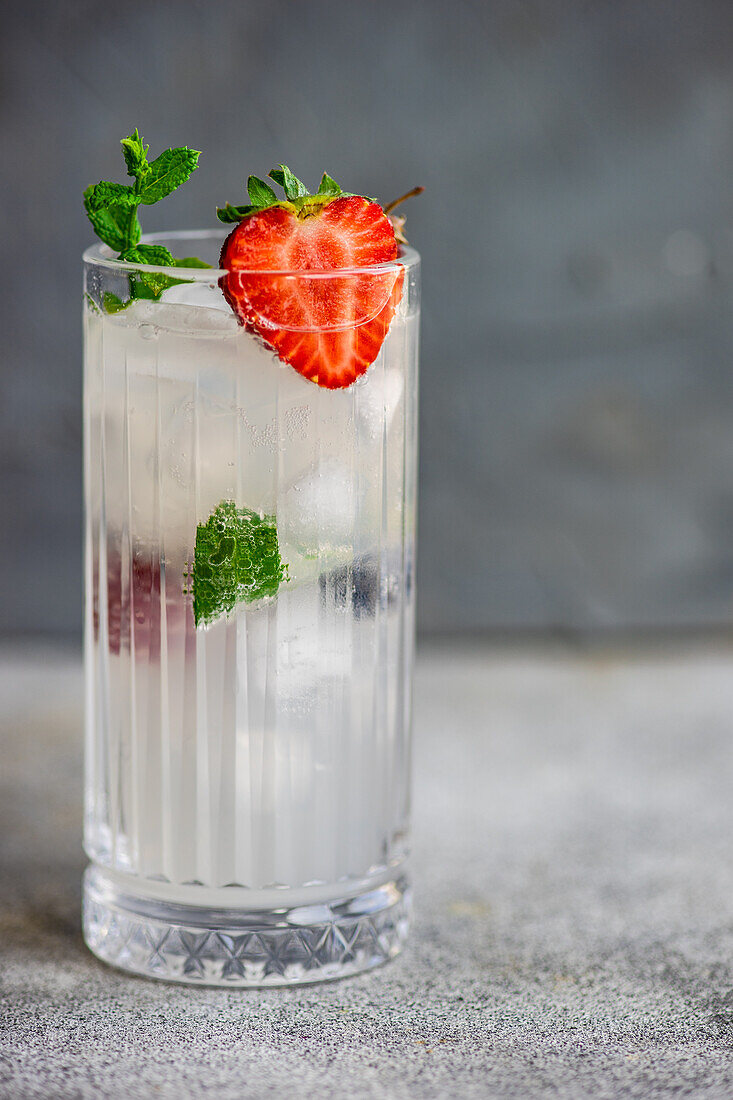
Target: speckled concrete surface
pixel 574 892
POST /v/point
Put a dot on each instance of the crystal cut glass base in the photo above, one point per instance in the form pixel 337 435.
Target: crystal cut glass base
pixel 255 948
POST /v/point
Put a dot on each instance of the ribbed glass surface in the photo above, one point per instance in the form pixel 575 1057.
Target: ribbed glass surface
pixel 270 748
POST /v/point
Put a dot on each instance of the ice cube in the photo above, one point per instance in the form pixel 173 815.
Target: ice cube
pixel 316 512
pixel 378 399
pixel 197 310
pixel 307 653
pixel 211 440
pixel 203 295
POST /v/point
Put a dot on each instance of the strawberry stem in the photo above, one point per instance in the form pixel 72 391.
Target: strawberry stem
pixel 407 195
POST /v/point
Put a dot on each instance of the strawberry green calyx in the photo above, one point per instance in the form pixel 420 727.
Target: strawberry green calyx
pixel 298 199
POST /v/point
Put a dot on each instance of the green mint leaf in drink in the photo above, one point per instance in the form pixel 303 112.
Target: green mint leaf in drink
pixel 112 209
pixel 236 560
pixel 111 303
pixel 189 261
pixel 151 284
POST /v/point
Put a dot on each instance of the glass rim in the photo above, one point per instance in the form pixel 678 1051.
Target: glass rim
pixel 101 255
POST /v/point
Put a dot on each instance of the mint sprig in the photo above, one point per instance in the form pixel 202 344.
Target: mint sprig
pixel 112 208
pixel 236 559
pixel 297 196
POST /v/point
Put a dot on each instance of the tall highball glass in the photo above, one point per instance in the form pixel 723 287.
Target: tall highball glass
pixel 250 552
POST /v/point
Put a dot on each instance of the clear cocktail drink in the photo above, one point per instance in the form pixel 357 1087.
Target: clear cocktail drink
pixel 247 802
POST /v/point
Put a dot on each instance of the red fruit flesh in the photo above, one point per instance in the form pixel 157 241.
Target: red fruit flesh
pixel 330 328
pixel 134 595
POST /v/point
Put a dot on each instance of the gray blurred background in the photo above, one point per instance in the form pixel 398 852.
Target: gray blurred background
pixel 577 394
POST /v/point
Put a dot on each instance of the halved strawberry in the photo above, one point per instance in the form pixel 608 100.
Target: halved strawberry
pixel 329 327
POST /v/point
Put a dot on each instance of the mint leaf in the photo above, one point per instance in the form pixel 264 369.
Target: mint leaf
pixel 328 186
pixel 189 261
pixel 143 285
pixel 236 559
pixel 150 284
pixel 154 254
pixel 260 193
pixel 112 226
pixel 112 304
pixel 104 194
pixel 166 173
pixel 290 184
pixel 135 154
